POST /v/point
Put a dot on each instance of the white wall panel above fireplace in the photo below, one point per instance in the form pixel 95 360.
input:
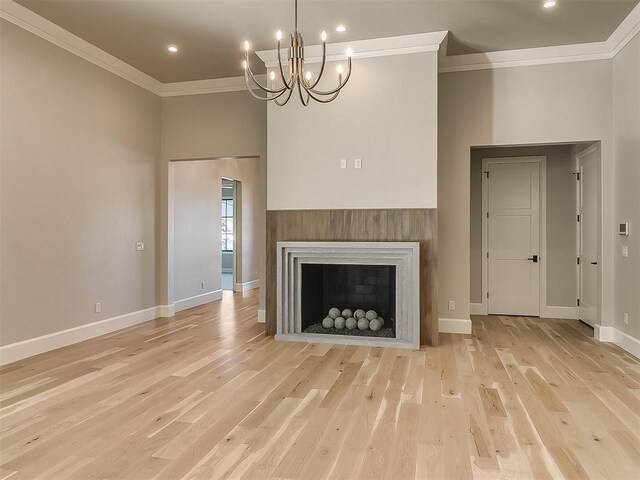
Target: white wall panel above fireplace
pixel 386 115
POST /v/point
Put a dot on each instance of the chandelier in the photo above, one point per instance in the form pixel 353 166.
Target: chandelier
pixel 297 78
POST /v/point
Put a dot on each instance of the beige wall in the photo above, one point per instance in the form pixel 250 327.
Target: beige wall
pixel 79 157
pixel 197 242
pixel 558 103
pixel 560 225
pixel 379 117
pixel 626 150
pixel 207 126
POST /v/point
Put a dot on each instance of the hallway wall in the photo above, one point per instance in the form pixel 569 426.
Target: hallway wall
pixel 208 126
pixel 555 103
pixel 197 218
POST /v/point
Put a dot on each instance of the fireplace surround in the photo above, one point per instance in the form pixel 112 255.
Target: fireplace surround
pixel 360 225
pixel 312 277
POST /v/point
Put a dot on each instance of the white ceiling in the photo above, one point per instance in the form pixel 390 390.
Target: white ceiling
pixel 209 33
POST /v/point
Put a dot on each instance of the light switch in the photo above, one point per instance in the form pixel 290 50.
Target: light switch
pixel 139 246
pixel 343 163
pixel 452 305
pixel 98 307
pixel 625 250
pixel 357 163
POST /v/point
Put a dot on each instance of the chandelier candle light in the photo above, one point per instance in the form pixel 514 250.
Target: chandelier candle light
pixel 298 78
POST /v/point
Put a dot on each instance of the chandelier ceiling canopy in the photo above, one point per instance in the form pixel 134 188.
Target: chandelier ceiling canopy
pixel 293 75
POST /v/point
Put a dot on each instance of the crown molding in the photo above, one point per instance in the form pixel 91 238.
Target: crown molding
pixel 405 44
pixel 374 47
pixel 524 57
pixel 625 32
pixel 214 85
pixel 43 28
pixel 49 31
pixel 579 52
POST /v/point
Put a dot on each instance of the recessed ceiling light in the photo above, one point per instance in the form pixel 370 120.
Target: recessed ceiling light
pixel 341 29
pixel 549 4
pixel 172 48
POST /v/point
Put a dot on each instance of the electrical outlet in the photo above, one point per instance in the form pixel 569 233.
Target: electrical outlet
pixel 625 250
pixel 343 163
pixel 357 163
pixel 452 305
pixel 626 318
pixel 98 308
pixel 139 246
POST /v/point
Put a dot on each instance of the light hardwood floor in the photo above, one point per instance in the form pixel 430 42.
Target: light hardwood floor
pixel 206 395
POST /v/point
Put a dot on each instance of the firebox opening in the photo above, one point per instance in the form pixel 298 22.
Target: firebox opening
pixel 348 287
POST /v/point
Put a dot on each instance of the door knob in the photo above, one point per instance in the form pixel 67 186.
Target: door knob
pixel 534 259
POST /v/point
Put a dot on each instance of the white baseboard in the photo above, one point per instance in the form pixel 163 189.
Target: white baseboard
pixel 604 334
pixel 166 311
pixel 246 286
pixel 454 325
pixel 34 346
pixel 627 342
pixel 623 340
pixel 198 300
pixel 262 316
pixel 478 308
pixel 551 311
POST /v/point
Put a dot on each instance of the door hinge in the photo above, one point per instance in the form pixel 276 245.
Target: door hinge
pixel 487 173
pixel 578 260
pixel 487 294
pixel 578 302
pixel 578 218
pixel 487 214
pixel 487 254
pixel 577 174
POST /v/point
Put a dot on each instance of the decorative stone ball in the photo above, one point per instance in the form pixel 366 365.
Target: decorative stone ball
pixel 363 324
pixel 334 313
pixel 381 320
pixel 375 325
pixel 327 322
pixel 346 313
pixel 358 314
pixel 351 323
pixel 371 314
pixel 339 323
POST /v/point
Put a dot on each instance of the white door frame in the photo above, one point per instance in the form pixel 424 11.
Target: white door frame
pixel 542 161
pixel 237 235
pixel 577 157
pixel 235 257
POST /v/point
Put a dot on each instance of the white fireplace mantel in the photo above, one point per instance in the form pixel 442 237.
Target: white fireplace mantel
pixel 405 256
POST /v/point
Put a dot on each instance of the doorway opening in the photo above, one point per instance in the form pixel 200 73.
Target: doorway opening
pixel 534 246
pixel 195 228
pixel 228 234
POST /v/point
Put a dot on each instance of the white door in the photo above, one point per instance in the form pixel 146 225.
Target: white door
pixel 589 251
pixel 513 238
